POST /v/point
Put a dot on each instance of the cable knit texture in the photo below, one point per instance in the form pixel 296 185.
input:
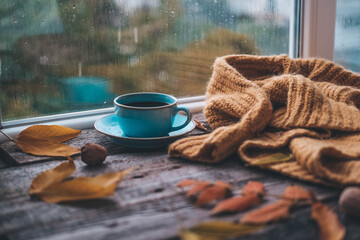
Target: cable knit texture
pixel 259 105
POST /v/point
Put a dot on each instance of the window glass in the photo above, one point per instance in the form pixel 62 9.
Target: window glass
pixel 59 56
pixel 347 34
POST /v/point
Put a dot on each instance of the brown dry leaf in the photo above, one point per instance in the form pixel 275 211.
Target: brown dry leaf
pixel 296 193
pixel 198 187
pixel 83 188
pixel 223 184
pixel 269 213
pixel 278 210
pixel 199 125
pixel 205 192
pixel 252 194
pixel 218 191
pixel 46 140
pixel 49 177
pixel 217 230
pixel 236 204
pixel 254 188
pixel 330 226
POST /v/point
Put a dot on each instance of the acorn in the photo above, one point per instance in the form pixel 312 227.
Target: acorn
pixel 93 154
pixel 349 202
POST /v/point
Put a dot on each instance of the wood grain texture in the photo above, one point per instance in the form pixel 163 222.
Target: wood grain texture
pixel 147 204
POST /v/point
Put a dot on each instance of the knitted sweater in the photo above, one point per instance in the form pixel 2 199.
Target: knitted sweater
pixel 260 105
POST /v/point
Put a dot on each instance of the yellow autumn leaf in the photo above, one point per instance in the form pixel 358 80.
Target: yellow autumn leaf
pixel 188 235
pixel 217 230
pixel 49 177
pixel 46 140
pixel 83 188
pixel 271 159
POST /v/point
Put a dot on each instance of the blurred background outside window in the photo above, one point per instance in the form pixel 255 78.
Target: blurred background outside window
pixel 347 34
pixel 60 56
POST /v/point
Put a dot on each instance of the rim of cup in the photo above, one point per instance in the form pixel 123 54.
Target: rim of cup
pixel 149 93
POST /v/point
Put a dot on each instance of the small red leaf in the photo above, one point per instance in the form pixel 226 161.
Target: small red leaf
pixel 223 184
pixel 197 188
pixel 216 192
pixel 296 193
pixel 330 226
pixel 269 213
pixel 205 192
pixel 252 193
pixel 278 210
pixel 254 188
pixel 236 204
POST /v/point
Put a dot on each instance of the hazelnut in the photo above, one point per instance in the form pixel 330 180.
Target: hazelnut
pixel 349 201
pixel 93 154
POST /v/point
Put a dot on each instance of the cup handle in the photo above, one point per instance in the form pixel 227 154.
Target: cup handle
pixel 188 114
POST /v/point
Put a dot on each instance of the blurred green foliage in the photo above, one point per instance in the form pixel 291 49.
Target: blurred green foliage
pixel 166 46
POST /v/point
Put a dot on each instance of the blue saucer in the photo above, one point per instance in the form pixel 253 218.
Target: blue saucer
pixel 109 126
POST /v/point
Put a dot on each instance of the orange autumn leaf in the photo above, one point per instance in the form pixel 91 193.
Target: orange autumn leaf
pixel 252 193
pixel 236 204
pixel 254 188
pixel 49 177
pixel 83 188
pixel 330 226
pixel 217 230
pixel 278 210
pixel 296 193
pixel 223 184
pixel 198 187
pixel 46 140
pixel 218 191
pixel 205 192
pixel 269 213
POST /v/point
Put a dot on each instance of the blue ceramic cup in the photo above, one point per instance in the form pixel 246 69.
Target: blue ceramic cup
pixel 145 115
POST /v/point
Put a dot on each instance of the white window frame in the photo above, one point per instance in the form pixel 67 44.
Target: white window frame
pixel 314 38
pixel 318 29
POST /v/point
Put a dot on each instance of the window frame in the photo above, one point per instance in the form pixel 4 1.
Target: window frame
pixel 314 36
pixel 318 29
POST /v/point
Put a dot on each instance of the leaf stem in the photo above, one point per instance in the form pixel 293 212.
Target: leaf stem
pixel 199 125
pixel 11 139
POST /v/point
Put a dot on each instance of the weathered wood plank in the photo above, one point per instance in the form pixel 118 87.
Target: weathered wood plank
pixel 3 163
pixel 147 204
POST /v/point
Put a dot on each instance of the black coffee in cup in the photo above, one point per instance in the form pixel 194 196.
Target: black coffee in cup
pixel 147 104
